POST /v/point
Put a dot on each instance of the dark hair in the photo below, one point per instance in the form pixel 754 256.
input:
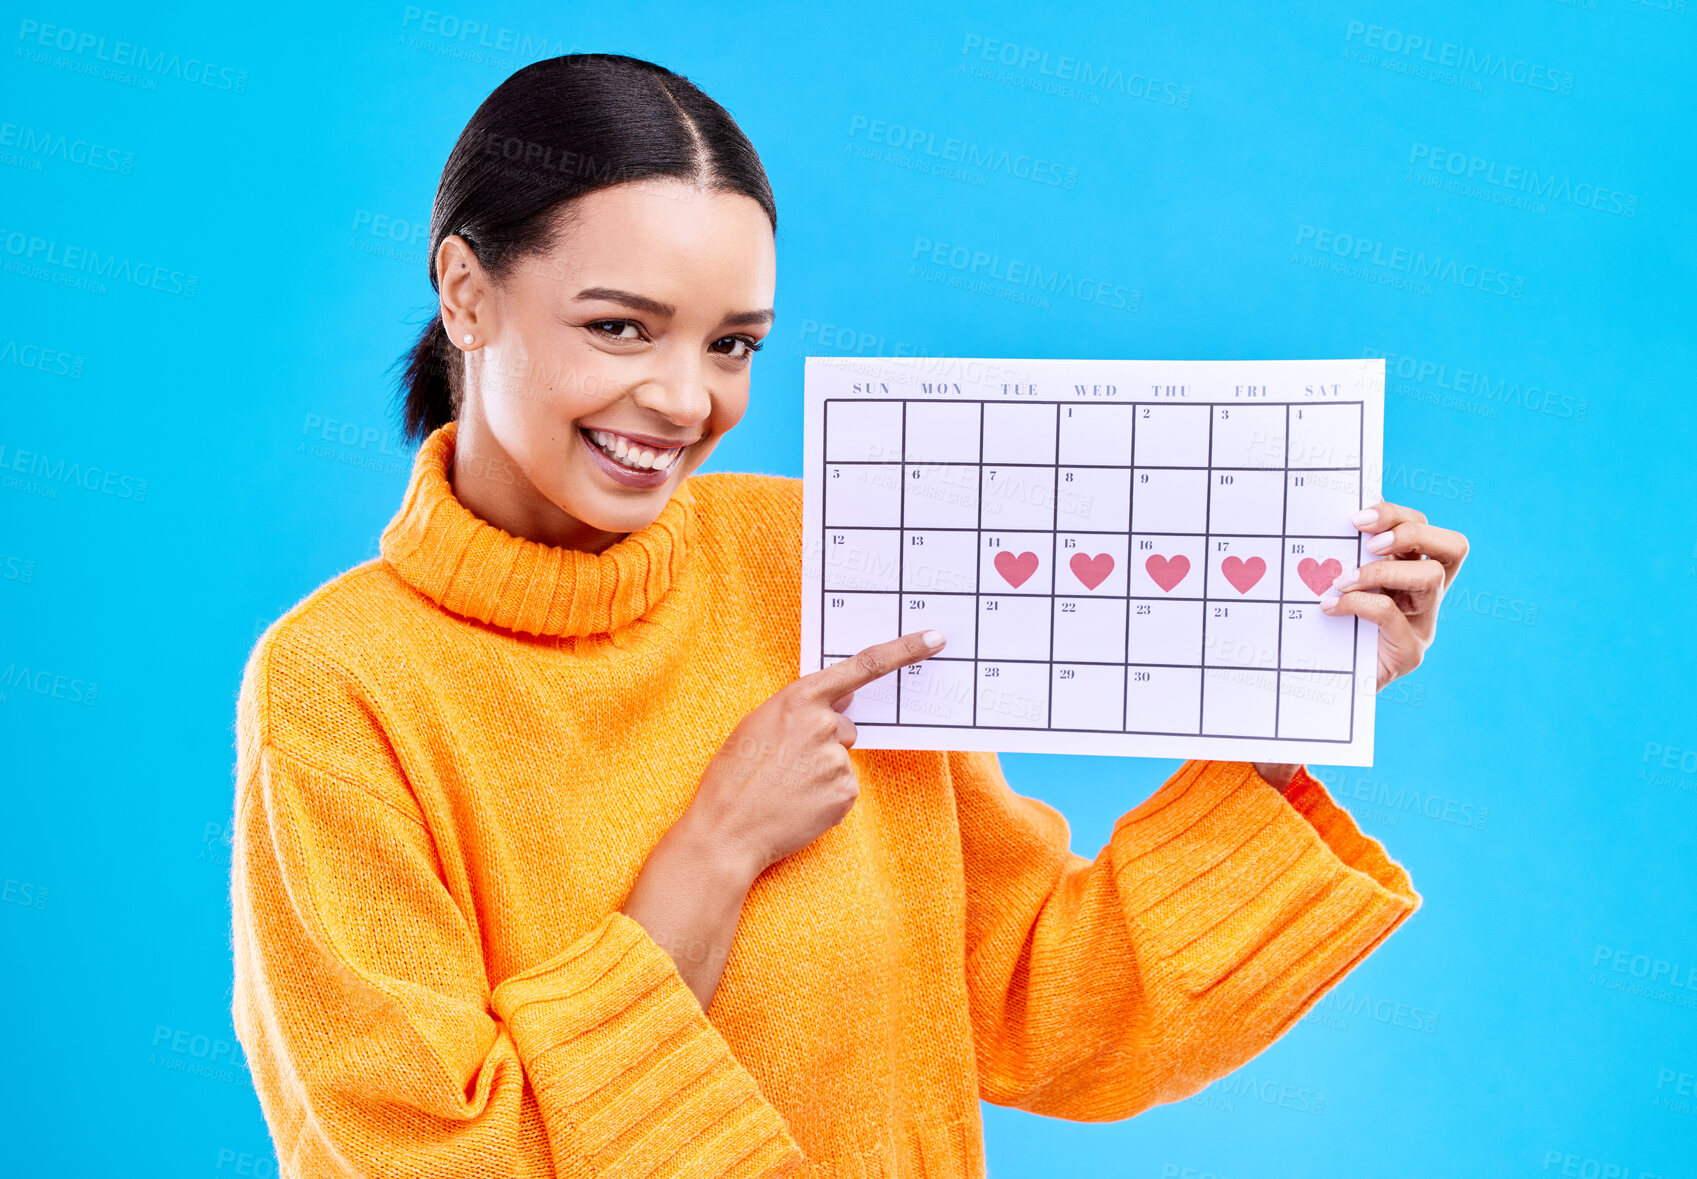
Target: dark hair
pixel 555 130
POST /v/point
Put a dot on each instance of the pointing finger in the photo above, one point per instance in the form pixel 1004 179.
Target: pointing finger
pixel 874 662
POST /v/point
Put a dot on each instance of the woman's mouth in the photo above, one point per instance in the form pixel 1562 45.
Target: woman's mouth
pixel 630 462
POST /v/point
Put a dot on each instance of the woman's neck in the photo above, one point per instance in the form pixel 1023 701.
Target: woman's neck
pixel 496 489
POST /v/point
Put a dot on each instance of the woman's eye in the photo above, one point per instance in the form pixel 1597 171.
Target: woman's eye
pixel 741 347
pixel 617 329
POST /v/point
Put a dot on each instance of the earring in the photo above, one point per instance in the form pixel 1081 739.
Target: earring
pixel 468 337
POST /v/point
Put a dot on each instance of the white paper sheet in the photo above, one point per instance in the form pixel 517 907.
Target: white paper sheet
pixel 1126 555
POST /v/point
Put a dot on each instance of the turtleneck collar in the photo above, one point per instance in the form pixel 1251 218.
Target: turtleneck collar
pixel 467 565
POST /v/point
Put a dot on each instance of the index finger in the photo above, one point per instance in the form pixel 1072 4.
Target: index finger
pixel 1385 515
pixel 880 659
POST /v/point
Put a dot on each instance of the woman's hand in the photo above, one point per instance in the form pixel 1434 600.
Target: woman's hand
pixel 780 780
pixel 783 777
pixel 1400 593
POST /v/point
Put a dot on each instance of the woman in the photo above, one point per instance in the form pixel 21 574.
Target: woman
pixel 546 864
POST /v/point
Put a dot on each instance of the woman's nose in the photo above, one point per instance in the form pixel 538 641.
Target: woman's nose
pixel 679 394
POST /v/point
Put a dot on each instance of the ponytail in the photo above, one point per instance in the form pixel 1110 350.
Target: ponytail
pixel 432 392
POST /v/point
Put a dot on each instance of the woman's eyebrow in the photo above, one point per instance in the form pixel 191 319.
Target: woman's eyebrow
pixel 639 302
pixel 666 310
pixel 751 318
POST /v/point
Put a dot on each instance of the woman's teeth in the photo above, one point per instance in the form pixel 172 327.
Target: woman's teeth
pixel 635 457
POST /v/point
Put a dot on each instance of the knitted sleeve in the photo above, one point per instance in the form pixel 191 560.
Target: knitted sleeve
pixel 377 1046
pixel 1219 913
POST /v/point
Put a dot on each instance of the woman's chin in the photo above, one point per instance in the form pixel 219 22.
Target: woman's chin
pixel 617 511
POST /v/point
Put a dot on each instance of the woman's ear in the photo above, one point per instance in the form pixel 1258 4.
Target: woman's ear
pixel 465 292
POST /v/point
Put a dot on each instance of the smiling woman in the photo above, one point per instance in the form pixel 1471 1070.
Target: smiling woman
pixel 566 331
pixel 544 860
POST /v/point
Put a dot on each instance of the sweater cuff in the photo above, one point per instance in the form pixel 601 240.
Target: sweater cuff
pixel 1252 902
pixel 628 1070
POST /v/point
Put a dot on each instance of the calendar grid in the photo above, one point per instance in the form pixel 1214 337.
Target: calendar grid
pixel 1054 557
pixel 928 698
pixel 1080 466
pixel 824 539
pixel 1284 522
pixel 978 564
pixel 1355 644
pixel 901 549
pixel 1130 556
pixel 1207 559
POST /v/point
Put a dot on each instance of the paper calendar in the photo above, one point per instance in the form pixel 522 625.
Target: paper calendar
pixel 1125 556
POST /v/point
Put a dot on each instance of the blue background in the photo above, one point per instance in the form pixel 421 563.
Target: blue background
pixel 1536 775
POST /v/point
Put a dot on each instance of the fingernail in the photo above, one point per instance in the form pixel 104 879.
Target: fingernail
pixel 1381 542
pixel 1365 518
pixel 933 638
pixel 1329 598
pixel 1347 580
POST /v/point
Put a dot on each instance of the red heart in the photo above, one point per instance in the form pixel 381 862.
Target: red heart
pixel 1092 571
pixel 1244 574
pixel 1317 575
pixel 1167 572
pixel 1016 569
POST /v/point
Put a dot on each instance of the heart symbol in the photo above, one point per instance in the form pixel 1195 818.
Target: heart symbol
pixel 1318 576
pixel 1092 571
pixel 1014 569
pixel 1167 572
pixel 1244 574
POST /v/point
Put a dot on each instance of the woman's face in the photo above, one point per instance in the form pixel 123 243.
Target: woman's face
pixel 607 369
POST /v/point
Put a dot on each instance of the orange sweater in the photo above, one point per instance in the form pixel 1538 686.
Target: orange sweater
pixel 453 760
